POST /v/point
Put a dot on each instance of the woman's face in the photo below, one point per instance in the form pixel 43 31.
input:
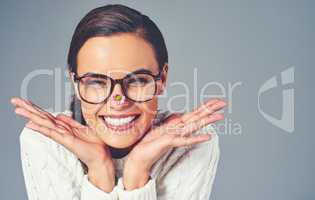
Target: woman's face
pixel 116 56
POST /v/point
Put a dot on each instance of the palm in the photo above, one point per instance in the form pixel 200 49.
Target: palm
pixel 177 131
pixel 80 140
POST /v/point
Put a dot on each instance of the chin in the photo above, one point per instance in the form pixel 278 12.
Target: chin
pixel 119 144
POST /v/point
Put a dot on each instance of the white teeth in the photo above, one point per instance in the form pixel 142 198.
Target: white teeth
pixel 118 121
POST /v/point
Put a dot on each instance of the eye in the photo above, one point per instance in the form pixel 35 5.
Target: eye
pixel 94 82
pixel 138 81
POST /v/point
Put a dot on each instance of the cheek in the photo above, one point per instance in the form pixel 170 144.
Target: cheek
pixel 89 112
pixel 148 111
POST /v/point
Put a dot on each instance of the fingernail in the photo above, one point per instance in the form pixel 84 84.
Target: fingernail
pixel 17 111
pixel 220 116
pixel 29 125
pixel 13 100
pixel 223 103
pixel 29 122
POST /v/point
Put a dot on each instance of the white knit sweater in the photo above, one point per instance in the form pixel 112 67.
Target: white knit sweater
pixel 52 172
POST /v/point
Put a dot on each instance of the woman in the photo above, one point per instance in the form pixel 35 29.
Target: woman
pixel 115 143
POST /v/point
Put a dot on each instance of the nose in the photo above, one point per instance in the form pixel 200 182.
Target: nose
pixel 117 100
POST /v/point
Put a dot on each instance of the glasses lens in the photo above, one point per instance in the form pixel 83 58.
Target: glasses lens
pixel 94 90
pixel 140 87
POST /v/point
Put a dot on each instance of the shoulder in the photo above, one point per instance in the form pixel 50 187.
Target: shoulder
pixel 42 149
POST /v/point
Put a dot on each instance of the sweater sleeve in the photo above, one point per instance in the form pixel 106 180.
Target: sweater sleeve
pixel 197 171
pixel 147 192
pixel 191 178
pixel 91 192
pixel 51 172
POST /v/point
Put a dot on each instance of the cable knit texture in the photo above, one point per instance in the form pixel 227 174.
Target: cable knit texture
pixel 52 172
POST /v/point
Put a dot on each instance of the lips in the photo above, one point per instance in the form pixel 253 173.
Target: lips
pixel 119 122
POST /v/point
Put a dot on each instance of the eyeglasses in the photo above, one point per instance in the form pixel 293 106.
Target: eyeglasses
pixel 139 86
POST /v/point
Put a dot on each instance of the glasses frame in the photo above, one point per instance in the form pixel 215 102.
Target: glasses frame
pixel 120 81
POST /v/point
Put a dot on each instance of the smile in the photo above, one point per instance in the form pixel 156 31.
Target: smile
pixel 119 123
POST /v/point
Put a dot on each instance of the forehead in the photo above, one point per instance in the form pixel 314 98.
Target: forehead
pixel 116 55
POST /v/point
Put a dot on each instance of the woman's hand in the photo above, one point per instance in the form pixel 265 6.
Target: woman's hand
pixel 176 131
pixel 79 139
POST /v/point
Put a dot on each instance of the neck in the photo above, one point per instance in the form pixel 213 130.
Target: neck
pixel 122 152
pixel 119 152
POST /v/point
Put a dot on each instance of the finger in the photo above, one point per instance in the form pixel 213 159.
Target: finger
pixel 174 119
pixel 69 121
pixel 206 111
pixel 206 105
pixel 190 127
pixel 69 141
pixel 177 127
pixel 83 132
pixel 26 104
pixel 63 124
pixel 195 126
pixel 168 123
pixel 218 105
pixel 86 134
pixel 203 106
pixel 55 134
pixel 35 117
pixel 187 141
pixel 40 110
pixel 60 136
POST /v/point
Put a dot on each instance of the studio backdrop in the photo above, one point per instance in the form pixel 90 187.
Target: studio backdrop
pixel 256 55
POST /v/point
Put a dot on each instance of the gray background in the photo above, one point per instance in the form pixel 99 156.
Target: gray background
pixel 227 41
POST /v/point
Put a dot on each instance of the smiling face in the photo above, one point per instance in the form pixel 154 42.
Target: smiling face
pixel 122 124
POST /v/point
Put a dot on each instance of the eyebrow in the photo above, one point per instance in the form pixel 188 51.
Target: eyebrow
pixel 140 70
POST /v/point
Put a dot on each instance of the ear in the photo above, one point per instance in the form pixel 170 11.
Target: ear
pixel 162 83
pixel 74 84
